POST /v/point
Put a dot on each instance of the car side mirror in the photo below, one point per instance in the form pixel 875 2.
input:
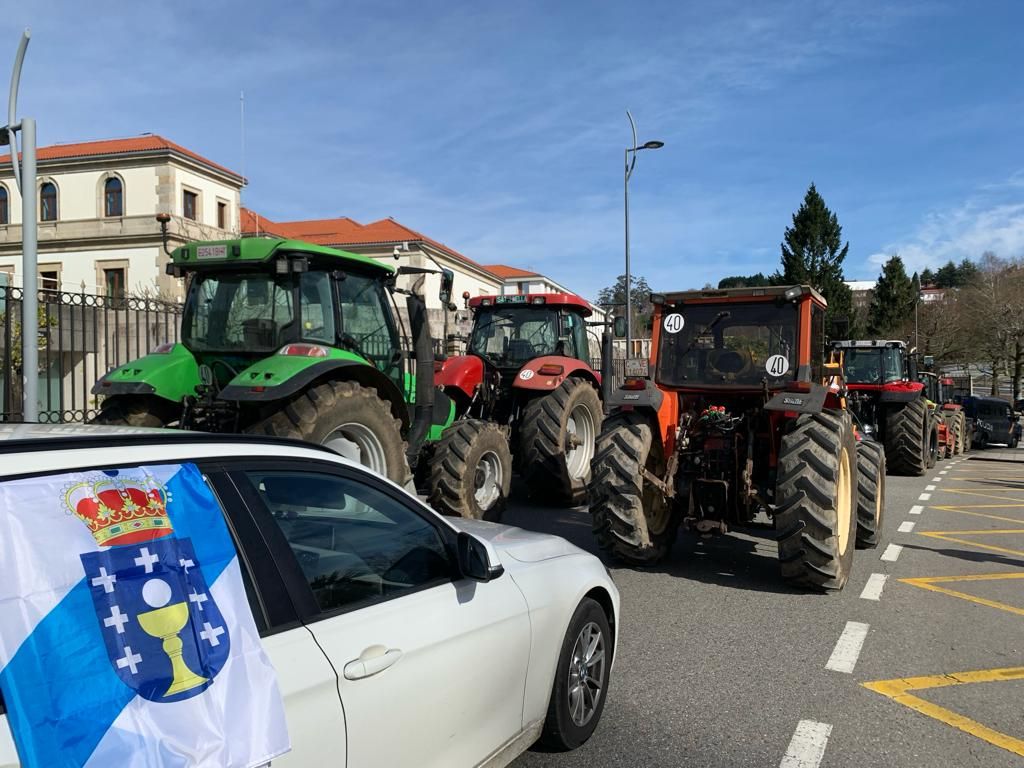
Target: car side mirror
pixel 474 559
pixel 619 327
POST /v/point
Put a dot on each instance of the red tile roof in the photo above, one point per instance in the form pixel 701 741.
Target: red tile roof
pixel 343 231
pixel 506 272
pixel 132 145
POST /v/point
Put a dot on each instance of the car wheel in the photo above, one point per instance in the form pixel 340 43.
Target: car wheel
pixel 581 679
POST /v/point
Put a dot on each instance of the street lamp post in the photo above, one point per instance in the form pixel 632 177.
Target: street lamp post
pixel 630 157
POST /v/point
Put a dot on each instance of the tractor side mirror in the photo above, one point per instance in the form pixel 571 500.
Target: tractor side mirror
pixel 447 282
pixel 929 360
pixel 619 327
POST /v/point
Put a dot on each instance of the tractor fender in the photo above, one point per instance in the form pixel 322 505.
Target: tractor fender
pixel 799 402
pixel 325 370
pixel 531 377
pixel 648 398
pixel 901 392
pixel 463 373
pixel 170 374
pixel 659 407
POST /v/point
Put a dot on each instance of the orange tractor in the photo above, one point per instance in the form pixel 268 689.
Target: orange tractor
pixel 741 416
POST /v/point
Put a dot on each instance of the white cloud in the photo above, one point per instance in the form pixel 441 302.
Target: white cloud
pixel 991 220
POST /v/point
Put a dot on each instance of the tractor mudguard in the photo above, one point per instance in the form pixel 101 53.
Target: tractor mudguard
pixel 463 373
pixel 170 373
pixel 279 377
pixel 548 372
pixel 902 392
pixel 799 402
pixel 650 397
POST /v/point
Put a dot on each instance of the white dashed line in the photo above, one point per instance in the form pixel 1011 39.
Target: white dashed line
pixel 892 553
pixel 943 472
pixel 906 527
pixel 873 589
pixel 807 747
pixel 936 479
pixel 916 509
pixel 929 487
pixel 924 497
pixel 844 655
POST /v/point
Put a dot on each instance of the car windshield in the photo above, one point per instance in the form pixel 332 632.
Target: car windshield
pixel 874 365
pixel 728 344
pixel 512 336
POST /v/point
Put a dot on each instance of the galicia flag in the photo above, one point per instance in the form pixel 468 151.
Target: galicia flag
pixel 126 636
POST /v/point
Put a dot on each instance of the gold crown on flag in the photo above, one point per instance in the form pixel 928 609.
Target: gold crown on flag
pixel 120 510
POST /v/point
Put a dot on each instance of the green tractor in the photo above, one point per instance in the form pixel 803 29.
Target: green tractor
pixel 289 339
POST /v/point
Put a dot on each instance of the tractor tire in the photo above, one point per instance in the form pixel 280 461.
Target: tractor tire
pixel 906 452
pixel 350 419
pixel 961 434
pixel 815 493
pixel 931 439
pixel 552 468
pixel 870 493
pixel 133 411
pixel 633 521
pixel 957 428
pixel 470 471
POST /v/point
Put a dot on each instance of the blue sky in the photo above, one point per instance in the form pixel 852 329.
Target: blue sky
pixel 498 128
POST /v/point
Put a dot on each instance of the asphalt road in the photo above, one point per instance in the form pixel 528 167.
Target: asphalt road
pixel 720 664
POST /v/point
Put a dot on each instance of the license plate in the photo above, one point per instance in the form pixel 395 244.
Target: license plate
pixel 515 299
pixel 636 367
pixel 211 252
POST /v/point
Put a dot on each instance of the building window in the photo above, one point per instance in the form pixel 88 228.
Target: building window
pixel 4 210
pixel 113 282
pixel 189 204
pixel 48 202
pixel 113 197
pixel 222 215
pixel 49 281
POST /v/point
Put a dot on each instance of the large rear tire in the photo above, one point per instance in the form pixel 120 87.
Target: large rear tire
pixel 633 521
pixel 815 494
pixel 906 451
pixel 557 442
pixel 470 471
pixel 931 439
pixel 964 438
pixel 134 411
pixel 348 418
pixel 870 493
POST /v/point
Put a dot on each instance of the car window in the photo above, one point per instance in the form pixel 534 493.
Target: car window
pixel 354 543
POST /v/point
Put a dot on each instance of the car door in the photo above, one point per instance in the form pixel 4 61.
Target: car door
pixel 431 666
pixel 305 676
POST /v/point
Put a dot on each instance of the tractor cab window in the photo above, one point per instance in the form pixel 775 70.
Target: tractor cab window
pixel 367 326
pixel 512 336
pixel 873 365
pixel 239 312
pixel 575 339
pixel 316 307
pixel 728 345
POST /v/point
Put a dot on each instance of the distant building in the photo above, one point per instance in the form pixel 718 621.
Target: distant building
pixel 862 290
pixel 97 202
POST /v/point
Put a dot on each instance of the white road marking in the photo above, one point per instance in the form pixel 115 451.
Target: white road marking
pixel 906 527
pixel 916 509
pixel 936 479
pixel 873 589
pixel 844 655
pixel 929 487
pixel 892 552
pixel 807 747
pixel 924 497
pixel 943 472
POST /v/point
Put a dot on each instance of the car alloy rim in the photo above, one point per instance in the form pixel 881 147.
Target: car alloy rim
pixel 358 443
pixel 586 674
pixel 488 480
pixel 579 439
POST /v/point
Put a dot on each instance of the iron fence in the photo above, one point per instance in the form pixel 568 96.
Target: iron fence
pixel 81 337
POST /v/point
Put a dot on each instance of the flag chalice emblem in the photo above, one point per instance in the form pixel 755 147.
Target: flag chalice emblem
pixel 164 634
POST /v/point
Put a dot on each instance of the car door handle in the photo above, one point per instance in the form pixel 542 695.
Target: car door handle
pixel 374 659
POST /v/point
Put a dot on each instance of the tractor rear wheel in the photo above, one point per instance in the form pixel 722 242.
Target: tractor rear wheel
pixel 906 450
pixel 134 411
pixel 870 493
pixel 351 420
pixel 931 439
pixel 815 495
pixel 633 521
pixel 961 433
pixel 557 441
pixel 470 471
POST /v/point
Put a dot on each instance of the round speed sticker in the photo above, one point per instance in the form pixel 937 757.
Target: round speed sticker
pixel 777 365
pixel 526 375
pixel 673 323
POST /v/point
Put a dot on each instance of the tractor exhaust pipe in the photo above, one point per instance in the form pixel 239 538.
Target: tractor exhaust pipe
pixel 607 367
pixel 423 350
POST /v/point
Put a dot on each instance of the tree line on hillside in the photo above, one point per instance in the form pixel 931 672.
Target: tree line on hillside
pixel 977 316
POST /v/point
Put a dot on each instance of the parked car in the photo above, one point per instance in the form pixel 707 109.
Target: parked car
pixel 994 421
pixel 399 637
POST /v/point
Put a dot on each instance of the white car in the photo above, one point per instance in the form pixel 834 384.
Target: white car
pixel 399 637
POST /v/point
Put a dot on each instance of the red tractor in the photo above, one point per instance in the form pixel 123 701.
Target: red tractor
pixel 525 386
pixel 890 403
pixel 743 417
pixel 952 422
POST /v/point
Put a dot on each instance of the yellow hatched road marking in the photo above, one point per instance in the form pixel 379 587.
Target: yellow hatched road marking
pixel 962 511
pixel 899 691
pixel 929 583
pixel 979 494
pixel 947 536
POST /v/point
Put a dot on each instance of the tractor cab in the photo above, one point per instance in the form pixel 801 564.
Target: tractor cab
pixel 874 363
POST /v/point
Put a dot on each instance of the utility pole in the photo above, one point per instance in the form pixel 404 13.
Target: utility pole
pixel 25 177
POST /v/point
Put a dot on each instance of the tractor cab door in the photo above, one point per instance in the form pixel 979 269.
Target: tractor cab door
pixel 367 325
pixel 573 337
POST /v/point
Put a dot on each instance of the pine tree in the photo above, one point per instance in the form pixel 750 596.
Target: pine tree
pixel 640 299
pixel 927 278
pixel 813 253
pixel 948 276
pixel 892 302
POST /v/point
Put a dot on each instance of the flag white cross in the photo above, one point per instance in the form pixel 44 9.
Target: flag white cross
pixel 130 660
pixel 146 559
pixel 198 598
pixel 116 619
pixel 106 580
pixel 210 633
